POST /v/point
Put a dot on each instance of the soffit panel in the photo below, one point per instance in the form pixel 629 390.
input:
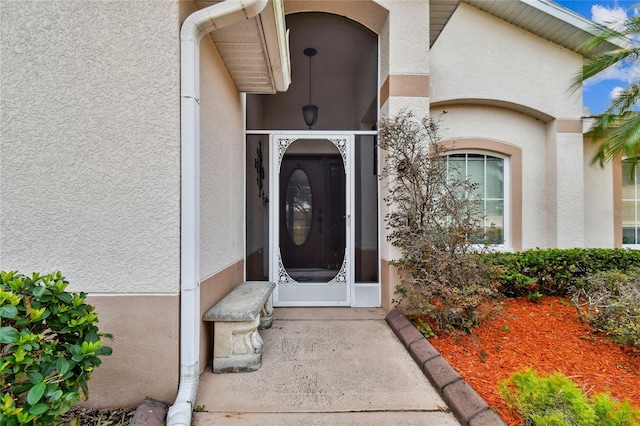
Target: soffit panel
pixel 254 52
pixel 244 53
pixel 440 11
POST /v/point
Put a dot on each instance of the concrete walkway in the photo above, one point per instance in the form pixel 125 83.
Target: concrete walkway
pixel 325 366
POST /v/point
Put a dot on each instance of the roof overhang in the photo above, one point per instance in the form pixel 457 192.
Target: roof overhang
pixel 440 11
pixel 256 51
pixel 544 18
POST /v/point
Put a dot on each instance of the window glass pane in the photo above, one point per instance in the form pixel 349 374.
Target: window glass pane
pixel 487 172
pixel 495 177
pixel 456 165
pixel 628 185
pixel 629 236
pixel 494 222
pixel 475 171
pixel 629 214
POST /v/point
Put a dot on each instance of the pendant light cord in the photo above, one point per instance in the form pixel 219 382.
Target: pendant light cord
pixel 309 80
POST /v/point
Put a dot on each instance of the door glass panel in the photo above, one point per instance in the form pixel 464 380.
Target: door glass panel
pixel 313 230
pixel 299 207
pixel 366 210
pixel 257 208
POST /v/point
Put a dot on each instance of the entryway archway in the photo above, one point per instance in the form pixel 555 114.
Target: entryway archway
pixel 322 250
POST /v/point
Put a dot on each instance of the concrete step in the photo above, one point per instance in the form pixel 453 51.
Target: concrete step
pixel 385 418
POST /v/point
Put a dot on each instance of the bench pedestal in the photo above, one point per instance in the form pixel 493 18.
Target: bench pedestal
pixel 237 346
pixel 266 315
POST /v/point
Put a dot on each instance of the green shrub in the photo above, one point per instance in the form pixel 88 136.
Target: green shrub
pixel 50 345
pixel 557 401
pixel 555 271
pixel 610 302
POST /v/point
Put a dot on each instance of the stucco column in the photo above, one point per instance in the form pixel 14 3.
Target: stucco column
pixel 565 184
pixel 404 85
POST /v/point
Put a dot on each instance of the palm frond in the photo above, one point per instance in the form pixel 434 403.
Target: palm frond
pixel 601 34
pixel 599 62
pixel 622 138
pixel 626 100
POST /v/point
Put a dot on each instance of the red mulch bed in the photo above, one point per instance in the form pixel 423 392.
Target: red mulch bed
pixel 549 337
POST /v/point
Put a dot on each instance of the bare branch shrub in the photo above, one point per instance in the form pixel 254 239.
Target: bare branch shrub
pixel 435 222
pixel 610 302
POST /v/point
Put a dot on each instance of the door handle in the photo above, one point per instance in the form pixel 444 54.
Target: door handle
pixel 320 221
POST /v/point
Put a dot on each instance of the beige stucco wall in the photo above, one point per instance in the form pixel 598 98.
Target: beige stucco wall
pixel 222 165
pixel 600 209
pixel 405 58
pixel 408 37
pixel 481 57
pixel 404 76
pixel 569 191
pixel 144 363
pixel 404 85
pixel 90 143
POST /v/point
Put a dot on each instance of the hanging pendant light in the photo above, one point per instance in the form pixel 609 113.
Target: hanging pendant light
pixel 310 111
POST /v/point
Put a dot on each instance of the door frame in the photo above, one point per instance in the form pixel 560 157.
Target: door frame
pixel 279 142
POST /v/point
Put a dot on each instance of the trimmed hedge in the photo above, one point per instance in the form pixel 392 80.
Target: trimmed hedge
pixel 555 271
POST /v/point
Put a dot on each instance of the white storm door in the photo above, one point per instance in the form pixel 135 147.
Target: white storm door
pixel 310 211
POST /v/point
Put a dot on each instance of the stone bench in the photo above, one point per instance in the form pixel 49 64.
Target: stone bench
pixel 237 346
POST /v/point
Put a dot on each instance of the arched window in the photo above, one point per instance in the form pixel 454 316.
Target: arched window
pixel 490 174
pixel 630 203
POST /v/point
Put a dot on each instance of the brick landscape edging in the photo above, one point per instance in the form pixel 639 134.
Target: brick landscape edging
pixel 465 403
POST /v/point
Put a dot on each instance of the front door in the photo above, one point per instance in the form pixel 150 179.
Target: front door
pixel 310 216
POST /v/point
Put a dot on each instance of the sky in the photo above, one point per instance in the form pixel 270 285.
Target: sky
pixel 599 92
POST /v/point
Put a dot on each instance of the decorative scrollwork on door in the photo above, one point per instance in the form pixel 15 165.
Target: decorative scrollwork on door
pixel 283 275
pixel 283 144
pixel 341 277
pixel 341 144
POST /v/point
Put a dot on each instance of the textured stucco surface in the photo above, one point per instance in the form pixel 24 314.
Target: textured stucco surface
pixel 478 56
pixel 599 206
pixel 408 37
pixel 145 360
pixel 90 147
pixel 569 190
pixel 222 157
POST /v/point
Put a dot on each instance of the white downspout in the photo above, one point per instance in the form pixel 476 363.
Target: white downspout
pixel 193 29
